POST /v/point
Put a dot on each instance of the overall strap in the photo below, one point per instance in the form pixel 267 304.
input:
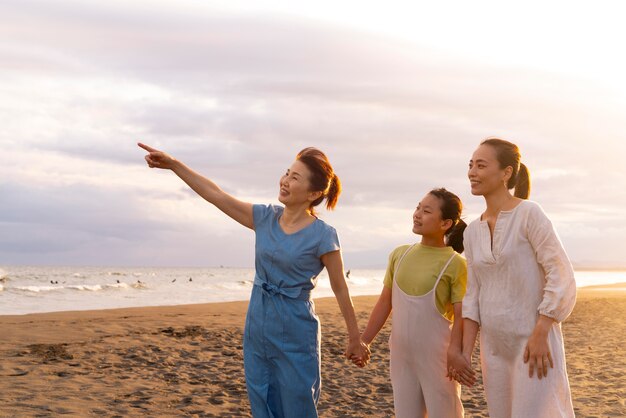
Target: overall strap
pixel 395 271
pixel 443 270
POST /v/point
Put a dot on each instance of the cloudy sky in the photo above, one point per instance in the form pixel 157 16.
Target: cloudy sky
pixel 398 96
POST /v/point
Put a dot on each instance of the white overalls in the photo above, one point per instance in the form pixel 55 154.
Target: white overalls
pixel 418 349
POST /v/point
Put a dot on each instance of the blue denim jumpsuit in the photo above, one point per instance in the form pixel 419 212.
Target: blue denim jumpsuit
pixel 282 333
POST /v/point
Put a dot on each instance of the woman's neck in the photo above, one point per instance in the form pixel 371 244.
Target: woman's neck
pixel 295 215
pixel 497 202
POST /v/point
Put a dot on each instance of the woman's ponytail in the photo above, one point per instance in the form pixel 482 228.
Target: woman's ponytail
pixel 522 182
pixel 334 190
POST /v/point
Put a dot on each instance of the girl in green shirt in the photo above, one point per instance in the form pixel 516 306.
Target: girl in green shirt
pixel 425 284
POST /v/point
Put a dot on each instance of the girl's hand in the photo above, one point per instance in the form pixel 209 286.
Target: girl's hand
pixel 156 158
pixel 460 368
pixel 358 352
pixel 537 351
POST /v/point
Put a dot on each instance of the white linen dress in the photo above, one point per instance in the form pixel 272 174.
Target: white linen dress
pixel 524 273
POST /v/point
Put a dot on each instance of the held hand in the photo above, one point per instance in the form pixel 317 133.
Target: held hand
pixel 460 368
pixel 360 360
pixel 156 158
pixel 537 351
pixel 358 352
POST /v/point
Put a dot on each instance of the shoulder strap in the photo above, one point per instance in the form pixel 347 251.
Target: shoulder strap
pixel 443 270
pixel 395 271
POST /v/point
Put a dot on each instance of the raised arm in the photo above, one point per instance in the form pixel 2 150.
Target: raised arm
pixel 236 209
pixel 356 348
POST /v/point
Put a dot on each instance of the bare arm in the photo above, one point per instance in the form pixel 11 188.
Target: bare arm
pixel 236 209
pixel 334 266
pixel 456 338
pixel 470 331
pixel 379 316
pixel 459 367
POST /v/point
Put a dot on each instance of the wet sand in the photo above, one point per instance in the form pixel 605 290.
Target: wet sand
pixel 187 361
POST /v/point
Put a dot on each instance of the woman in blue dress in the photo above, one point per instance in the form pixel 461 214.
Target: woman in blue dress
pixel 282 333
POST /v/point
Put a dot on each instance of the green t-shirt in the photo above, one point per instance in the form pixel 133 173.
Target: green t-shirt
pixel 419 270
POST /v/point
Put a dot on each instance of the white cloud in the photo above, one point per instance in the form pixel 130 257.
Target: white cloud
pixel 237 94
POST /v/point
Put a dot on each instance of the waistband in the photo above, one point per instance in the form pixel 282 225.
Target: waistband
pixel 271 289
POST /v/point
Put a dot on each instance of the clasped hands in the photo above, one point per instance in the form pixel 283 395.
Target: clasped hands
pixel 358 352
pixel 460 368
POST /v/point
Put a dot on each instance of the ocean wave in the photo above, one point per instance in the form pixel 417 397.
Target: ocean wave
pixel 139 285
pixel 117 286
pixel 100 287
pixel 36 289
pixel 78 287
pixel 358 281
pixel 92 288
pixel 241 284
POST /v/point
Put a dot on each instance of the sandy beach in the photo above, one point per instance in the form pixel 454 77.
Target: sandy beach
pixel 187 361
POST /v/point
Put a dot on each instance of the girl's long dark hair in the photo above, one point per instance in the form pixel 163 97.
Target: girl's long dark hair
pixel 451 208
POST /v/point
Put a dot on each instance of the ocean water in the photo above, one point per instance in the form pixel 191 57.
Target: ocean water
pixel 30 289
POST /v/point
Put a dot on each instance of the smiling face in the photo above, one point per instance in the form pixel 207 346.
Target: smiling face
pixel 427 219
pixel 295 186
pixel 485 174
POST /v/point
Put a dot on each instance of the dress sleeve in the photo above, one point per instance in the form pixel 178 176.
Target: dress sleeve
pixel 329 242
pixel 261 214
pixel 559 294
pixel 471 307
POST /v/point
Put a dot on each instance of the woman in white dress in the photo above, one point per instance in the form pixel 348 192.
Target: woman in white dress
pixel 520 288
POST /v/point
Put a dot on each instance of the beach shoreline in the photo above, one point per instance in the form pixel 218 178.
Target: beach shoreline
pixel 186 360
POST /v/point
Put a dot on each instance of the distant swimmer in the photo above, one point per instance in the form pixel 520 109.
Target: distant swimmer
pixel 190 279
pixel 348 274
pixel 173 280
pixel 117 281
pixel 139 285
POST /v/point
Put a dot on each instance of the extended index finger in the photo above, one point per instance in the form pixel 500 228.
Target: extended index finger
pixel 146 147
